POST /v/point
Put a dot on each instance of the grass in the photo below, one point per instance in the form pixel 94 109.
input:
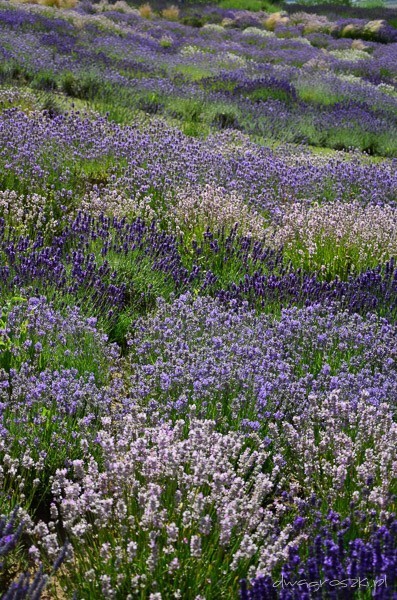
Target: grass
pixel 193 72
pixel 314 94
pixel 370 4
pixel 252 5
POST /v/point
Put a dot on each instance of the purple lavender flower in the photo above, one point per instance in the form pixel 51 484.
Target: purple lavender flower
pixel 335 565
pixel 26 586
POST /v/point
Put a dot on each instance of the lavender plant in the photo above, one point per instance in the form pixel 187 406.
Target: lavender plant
pixel 35 334
pixel 241 368
pixel 26 585
pixel 335 565
pixel 55 380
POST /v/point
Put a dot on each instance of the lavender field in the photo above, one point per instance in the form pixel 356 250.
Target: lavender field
pixel 198 301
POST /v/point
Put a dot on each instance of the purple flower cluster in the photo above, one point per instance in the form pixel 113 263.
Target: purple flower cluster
pixel 25 586
pixel 35 334
pixel 337 565
pixel 242 368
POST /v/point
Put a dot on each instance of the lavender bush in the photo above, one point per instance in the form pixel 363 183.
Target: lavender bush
pixel 25 585
pixel 335 564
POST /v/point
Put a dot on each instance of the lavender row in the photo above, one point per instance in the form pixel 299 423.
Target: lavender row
pixel 104 261
pixel 66 157
pixel 233 74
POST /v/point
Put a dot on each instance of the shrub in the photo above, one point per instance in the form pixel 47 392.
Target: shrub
pixel 69 84
pixel 193 21
pixel 45 81
pixel 51 106
pixel 57 3
pixel 85 86
pixel 171 13
pixel 150 104
pixel 279 18
pixel 146 12
pixel 226 119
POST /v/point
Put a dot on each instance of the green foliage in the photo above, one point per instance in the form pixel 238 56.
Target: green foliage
pixel 193 72
pixel 317 94
pixel 226 118
pixel 265 93
pixel 12 71
pixel 345 139
pixel 45 80
pixel 190 109
pixel 150 103
pixel 193 21
pixel 195 129
pixel 144 284
pixel 85 86
pixel 50 104
pixel 329 2
pixel 253 5
pixel 370 4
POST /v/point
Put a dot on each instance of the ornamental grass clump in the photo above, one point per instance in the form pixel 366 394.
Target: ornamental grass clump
pixel 170 13
pixel 276 19
pixel 146 11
